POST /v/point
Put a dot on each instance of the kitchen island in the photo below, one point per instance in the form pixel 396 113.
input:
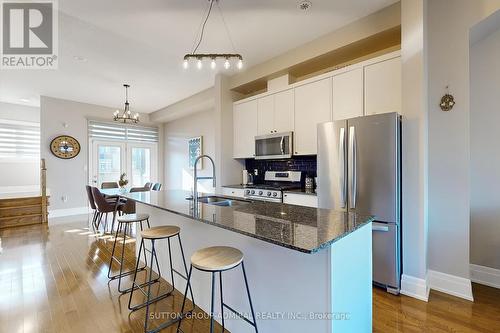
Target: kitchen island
pixel 309 269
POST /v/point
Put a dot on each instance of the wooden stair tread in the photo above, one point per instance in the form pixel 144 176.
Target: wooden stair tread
pixel 18 216
pixel 16 221
pixel 21 206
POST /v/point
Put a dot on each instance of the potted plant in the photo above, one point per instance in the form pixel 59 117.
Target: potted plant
pixel 123 180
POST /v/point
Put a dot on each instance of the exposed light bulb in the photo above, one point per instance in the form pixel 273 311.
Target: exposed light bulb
pixel 227 64
pixel 199 64
pixel 116 112
pixel 240 64
pixel 128 112
pixel 185 64
pixel 136 116
pixel 213 64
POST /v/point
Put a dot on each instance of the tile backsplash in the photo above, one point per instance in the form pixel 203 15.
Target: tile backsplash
pixel 306 164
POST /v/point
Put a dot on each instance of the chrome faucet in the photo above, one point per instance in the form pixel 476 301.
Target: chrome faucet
pixel 196 178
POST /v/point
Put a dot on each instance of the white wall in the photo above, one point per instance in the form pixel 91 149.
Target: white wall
pixel 69 177
pixel 16 174
pixel 414 149
pixel 229 169
pixel 19 112
pixel 178 175
pixel 485 154
pixel 448 24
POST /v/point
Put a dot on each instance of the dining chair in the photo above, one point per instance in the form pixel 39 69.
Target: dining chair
pixel 106 185
pixel 90 197
pixel 148 185
pixel 156 187
pixel 105 207
pixel 138 189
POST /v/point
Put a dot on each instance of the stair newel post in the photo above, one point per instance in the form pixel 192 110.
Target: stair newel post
pixel 43 190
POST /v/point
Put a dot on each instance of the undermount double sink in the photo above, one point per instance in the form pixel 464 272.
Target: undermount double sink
pixel 221 201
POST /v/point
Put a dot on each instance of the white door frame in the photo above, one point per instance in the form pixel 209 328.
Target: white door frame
pixel 126 153
pixel 154 158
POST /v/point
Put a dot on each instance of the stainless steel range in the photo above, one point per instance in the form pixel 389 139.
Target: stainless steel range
pixel 275 183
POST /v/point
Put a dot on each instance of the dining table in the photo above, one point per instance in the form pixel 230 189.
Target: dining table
pixel 111 193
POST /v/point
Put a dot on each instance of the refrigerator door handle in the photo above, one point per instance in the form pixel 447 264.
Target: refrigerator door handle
pixel 352 167
pixel 377 227
pixel 342 181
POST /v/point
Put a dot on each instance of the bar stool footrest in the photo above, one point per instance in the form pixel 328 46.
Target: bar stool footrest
pixel 151 301
pixel 123 274
pixel 239 314
pixel 139 287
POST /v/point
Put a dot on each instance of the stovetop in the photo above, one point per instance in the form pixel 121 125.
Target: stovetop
pixel 275 183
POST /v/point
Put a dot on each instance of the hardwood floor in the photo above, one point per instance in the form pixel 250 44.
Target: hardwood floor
pixel 443 313
pixel 55 280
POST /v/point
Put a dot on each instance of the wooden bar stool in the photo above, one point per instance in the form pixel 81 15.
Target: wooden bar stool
pixel 154 234
pixel 218 259
pixel 125 223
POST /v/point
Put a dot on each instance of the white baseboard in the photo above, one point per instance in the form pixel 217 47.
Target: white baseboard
pixel 485 275
pixel 450 284
pixel 68 212
pixel 414 287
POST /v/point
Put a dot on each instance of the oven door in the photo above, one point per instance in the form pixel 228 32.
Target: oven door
pixel 274 146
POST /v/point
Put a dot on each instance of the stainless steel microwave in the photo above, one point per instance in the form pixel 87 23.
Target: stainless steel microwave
pixel 274 146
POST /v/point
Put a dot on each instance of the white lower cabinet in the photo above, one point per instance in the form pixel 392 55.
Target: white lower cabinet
pixel 233 192
pixel 307 200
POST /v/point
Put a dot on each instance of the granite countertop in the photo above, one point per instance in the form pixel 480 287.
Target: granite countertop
pixel 303 229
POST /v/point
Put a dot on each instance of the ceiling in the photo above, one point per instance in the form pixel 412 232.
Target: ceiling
pixel 143 42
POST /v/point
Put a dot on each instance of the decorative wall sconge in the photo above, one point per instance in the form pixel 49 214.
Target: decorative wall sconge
pixel 447 101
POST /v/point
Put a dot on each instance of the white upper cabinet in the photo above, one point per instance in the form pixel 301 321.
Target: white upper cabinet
pixel 312 106
pixel 365 88
pixel 383 87
pixel 347 98
pixel 265 115
pixel 244 129
pixel 275 113
pixel 284 108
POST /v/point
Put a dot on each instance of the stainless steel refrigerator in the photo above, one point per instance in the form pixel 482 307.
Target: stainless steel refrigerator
pixel 359 169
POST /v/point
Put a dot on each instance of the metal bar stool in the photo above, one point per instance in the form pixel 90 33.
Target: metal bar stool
pixel 218 259
pixel 125 222
pixel 154 234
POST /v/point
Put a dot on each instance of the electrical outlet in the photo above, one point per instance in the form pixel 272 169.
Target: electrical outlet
pixel 64 198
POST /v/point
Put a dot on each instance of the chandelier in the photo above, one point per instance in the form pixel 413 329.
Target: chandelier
pixel 200 58
pixel 126 115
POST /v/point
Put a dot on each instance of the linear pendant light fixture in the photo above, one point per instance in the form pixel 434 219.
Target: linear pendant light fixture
pixel 199 58
pixel 126 115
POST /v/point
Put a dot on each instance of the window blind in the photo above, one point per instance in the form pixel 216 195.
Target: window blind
pixel 111 131
pixel 19 139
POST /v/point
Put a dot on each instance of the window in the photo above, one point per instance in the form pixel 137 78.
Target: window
pixel 19 139
pixel 110 131
pixel 122 148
